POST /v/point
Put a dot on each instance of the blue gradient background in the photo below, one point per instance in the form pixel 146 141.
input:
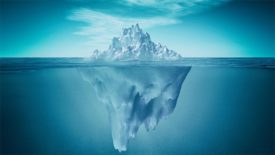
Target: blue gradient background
pixel 238 28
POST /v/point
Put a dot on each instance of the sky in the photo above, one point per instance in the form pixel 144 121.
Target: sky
pixel 193 28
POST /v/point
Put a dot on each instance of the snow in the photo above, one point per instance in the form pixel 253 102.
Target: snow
pixel 134 44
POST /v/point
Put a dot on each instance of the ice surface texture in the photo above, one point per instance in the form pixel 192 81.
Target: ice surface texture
pixel 134 44
pixel 135 95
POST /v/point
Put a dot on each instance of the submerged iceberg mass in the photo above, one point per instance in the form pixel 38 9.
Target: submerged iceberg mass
pixel 134 44
pixel 135 94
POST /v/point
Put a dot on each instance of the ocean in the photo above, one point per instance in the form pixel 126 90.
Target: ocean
pixel 225 107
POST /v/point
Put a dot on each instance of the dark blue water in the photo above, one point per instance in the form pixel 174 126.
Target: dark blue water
pixel 226 106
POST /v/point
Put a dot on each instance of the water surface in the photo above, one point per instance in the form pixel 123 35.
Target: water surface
pixel 226 106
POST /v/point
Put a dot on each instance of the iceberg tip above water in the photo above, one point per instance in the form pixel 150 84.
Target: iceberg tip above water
pixel 134 44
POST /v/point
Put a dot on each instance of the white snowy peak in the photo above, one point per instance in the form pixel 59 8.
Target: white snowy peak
pixel 134 44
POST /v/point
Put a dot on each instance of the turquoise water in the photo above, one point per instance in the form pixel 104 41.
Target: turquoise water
pixel 223 108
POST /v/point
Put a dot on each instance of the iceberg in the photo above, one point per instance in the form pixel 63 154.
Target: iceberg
pixel 134 44
pixel 135 94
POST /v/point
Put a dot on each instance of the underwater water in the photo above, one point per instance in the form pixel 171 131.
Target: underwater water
pixel 225 106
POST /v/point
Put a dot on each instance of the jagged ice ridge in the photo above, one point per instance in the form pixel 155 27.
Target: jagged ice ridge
pixel 134 44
